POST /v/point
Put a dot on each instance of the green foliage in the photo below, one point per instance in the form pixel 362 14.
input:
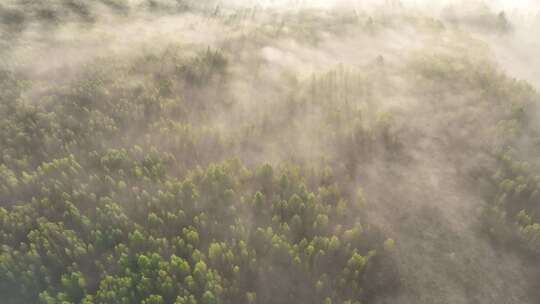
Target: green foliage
pixel 176 240
pixel 120 182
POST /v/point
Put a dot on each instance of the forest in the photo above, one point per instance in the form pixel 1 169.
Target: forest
pixel 269 152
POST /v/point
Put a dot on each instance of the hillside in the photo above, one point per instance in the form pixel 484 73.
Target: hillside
pixel 161 151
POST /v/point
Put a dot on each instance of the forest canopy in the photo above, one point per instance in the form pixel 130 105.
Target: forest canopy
pixel 202 152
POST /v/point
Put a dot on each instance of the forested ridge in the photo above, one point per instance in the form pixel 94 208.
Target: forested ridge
pixel 204 153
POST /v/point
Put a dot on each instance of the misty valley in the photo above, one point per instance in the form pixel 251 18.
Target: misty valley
pixel 269 152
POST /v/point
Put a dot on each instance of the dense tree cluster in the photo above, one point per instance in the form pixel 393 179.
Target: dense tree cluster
pixel 512 216
pixel 121 232
pixel 114 189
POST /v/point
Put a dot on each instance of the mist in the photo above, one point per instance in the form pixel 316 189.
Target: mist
pixel 269 151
